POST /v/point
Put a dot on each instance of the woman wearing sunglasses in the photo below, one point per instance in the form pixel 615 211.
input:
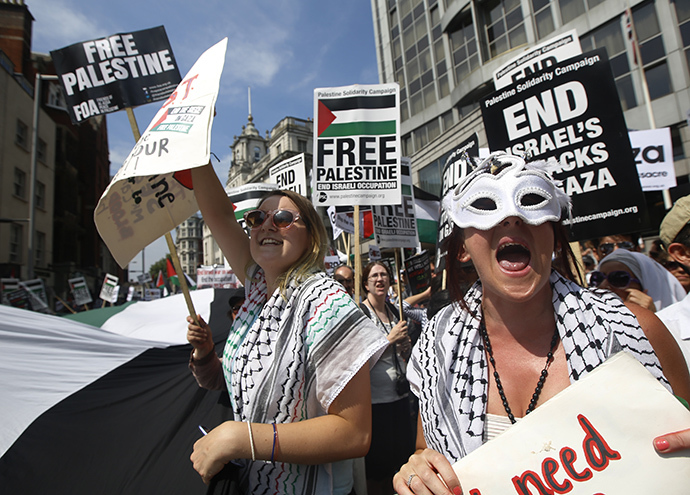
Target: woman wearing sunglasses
pixel 522 333
pixel 638 279
pixel 296 362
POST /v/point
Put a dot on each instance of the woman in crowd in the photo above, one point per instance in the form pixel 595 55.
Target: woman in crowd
pixel 392 440
pixel 638 279
pixel 296 359
pixel 522 333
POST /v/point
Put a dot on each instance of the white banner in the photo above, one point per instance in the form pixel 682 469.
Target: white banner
pixel 108 293
pixel 395 226
pixel 595 437
pixel 290 174
pixel 216 277
pixel 80 291
pixel 152 193
pixel 357 145
pixel 653 154
pixel 331 262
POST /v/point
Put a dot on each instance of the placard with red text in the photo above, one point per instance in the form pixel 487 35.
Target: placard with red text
pixel 595 437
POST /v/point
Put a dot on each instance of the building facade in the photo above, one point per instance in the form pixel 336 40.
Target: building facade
pixel 443 53
pixel 188 242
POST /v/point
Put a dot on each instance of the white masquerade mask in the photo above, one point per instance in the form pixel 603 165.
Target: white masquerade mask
pixel 505 186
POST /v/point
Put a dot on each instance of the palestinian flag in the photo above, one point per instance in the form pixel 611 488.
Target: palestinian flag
pixel 159 280
pixel 190 283
pixel 172 276
pixel 357 116
pixel 85 410
pixel 427 209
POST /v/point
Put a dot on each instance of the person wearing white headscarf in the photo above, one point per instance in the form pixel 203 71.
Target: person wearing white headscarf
pixel 658 288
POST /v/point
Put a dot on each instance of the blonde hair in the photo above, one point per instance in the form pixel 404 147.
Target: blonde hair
pixel 313 258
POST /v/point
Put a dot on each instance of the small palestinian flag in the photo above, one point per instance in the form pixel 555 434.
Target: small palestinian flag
pixel 357 116
pixel 159 280
pixel 172 276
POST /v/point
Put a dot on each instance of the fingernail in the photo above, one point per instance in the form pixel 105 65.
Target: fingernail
pixel 661 444
pixel 457 491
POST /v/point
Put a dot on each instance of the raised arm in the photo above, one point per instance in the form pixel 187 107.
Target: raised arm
pixel 219 215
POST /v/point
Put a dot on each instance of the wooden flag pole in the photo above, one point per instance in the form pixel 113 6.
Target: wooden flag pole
pixel 358 262
pixel 66 305
pixel 168 238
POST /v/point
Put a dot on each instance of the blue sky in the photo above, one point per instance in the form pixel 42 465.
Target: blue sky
pixel 282 49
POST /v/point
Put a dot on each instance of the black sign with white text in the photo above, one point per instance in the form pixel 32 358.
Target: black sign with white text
pixel 110 74
pixel 571 112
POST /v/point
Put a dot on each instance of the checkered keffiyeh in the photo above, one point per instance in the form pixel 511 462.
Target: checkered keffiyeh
pixel 448 369
pixel 286 359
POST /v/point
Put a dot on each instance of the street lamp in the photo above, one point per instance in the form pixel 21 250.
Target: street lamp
pixel 34 159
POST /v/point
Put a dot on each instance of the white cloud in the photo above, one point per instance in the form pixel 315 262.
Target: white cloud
pixel 60 23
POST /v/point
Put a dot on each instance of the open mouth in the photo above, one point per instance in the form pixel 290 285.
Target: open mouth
pixel 269 241
pixel 513 257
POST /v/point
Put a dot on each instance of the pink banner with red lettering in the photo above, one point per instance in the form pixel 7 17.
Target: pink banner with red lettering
pixel 595 437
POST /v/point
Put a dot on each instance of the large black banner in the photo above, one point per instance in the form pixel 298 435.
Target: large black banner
pixel 571 112
pixel 110 74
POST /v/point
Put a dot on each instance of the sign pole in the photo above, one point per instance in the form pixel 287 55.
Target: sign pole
pixel 400 295
pixel 168 237
pixel 358 262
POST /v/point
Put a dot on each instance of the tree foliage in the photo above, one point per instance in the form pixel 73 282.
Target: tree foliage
pixel 159 265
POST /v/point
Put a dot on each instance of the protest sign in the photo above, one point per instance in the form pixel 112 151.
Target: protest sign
pixel 594 437
pixel 144 278
pixel 152 294
pixel 108 293
pixel 217 277
pixel 395 226
pixel 152 193
pixel 374 252
pixel 36 291
pixel 456 167
pixel 653 154
pixel 427 210
pixel 7 285
pixel 357 145
pixel 290 174
pixel 80 291
pixel 538 58
pixel 331 261
pixel 418 269
pixel 123 70
pixel 571 113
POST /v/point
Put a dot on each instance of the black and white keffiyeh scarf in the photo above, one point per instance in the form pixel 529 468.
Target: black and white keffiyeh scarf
pixel 448 369
pixel 286 359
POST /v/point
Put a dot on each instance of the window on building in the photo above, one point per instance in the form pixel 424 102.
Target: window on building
pixel 257 153
pixel 430 178
pixel 16 236
pixel 40 195
pixel 683 15
pixel 543 17
pixel 463 45
pixel 40 253
pixel 447 120
pixel 610 36
pixel 421 90
pixel 22 135
pixel 19 183
pixel 42 151
pixel 503 26
pixel 406 143
pixel 302 145
pixel 652 50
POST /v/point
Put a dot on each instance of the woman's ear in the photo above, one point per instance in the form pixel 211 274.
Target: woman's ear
pixel 680 253
pixel 464 256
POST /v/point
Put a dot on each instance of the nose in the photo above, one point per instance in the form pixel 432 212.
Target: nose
pixel 512 221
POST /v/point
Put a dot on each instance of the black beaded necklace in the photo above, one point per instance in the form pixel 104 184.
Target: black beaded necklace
pixel 499 386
